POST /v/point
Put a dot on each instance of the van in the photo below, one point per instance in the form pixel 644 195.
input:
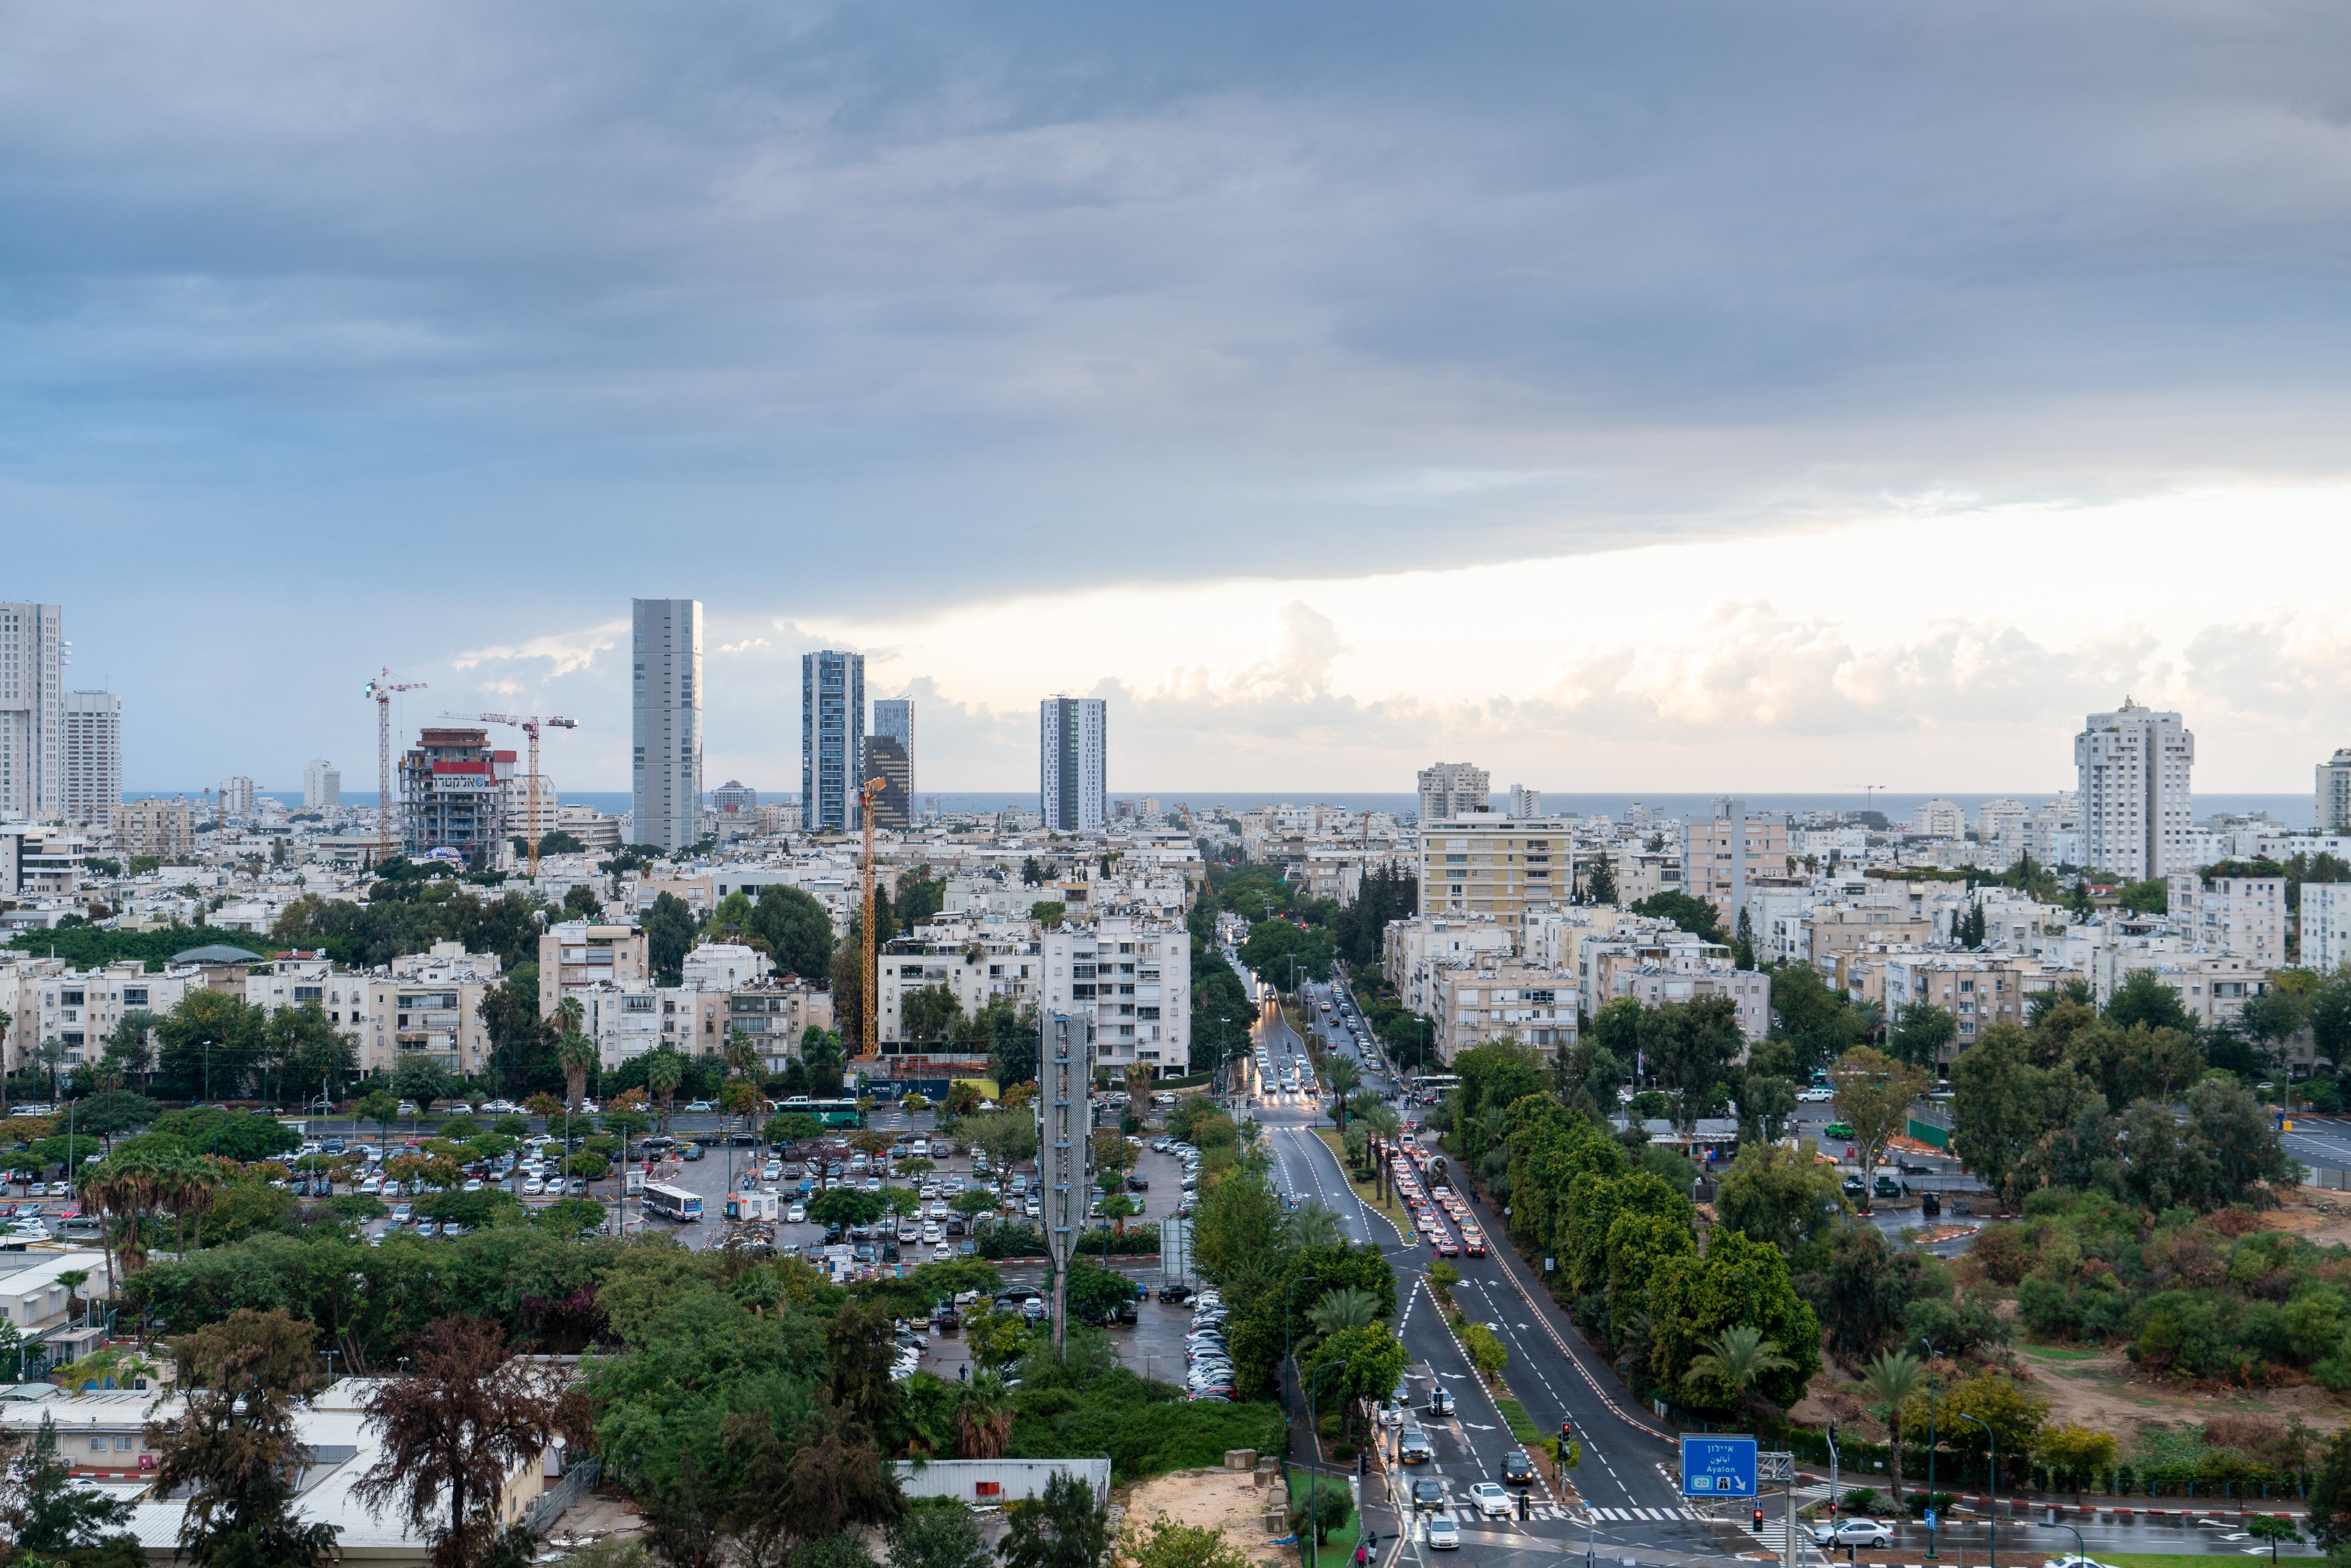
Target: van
pixel 921 1149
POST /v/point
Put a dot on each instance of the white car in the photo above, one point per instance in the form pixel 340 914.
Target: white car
pixel 796 1214
pixel 1491 1500
pixel 533 1185
pixel 1865 1533
pixel 1443 1535
pixel 1818 1094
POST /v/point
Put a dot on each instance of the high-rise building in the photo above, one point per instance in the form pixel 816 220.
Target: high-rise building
pixel 666 723
pixel 833 739
pixel 2134 764
pixel 895 716
pixel 454 795
pixel 1071 765
pixel 885 759
pixel 236 796
pixel 164 829
pixel 1485 864
pixel 1450 790
pixel 1721 852
pixel 1938 819
pixel 733 797
pixel 322 786
pixel 1525 802
pixel 33 656
pixel 2335 793
pixel 93 758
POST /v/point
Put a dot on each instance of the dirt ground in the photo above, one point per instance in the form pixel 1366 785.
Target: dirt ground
pixel 1220 1497
pixel 2319 1217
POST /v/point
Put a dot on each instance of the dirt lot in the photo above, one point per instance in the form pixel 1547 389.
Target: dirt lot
pixel 2317 1216
pixel 1223 1499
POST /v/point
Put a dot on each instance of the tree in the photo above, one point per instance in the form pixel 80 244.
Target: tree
pixel 1346 1079
pixel 210 1043
pixel 1692 1298
pixel 419 1076
pixel 1599 887
pixel 468 1417
pixel 1890 1382
pixel 2270 1527
pixel 234 1455
pixel 665 1070
pixel 669 935
pixel 1064 1528
pixel 1347 1308
pixel 1740 1355
pixel 2143 999
pixel 1922 1032
pixel 949 1538
pixel 1778 1195
pixel 798 931
pixel 46 1512
pixel 1325 1508
pixel 1873 1093
pixel 1164 1543
pixel 1690 1046
pixel 577 1055
pixel 2074 1452
pixel 1695 916
pixel 926 1015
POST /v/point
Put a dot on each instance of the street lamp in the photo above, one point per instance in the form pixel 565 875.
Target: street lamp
pixel 1314 1425
pixel 2080 1552
pixel 1991 1489
pixel 1930 1444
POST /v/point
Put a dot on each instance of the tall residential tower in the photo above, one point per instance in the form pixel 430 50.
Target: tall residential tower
pixel 833 739
pixel 1071 765
pixel 895 716
pixel 1451 790
pixel 666 731
pixel 2134 764
pixel 32 711
pixel 93 758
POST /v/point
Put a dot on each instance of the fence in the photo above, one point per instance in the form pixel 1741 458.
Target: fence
pixel 998 1480
pixel 548 1505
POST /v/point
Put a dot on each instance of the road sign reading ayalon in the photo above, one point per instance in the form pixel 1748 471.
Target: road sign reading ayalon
pixel 1717 1467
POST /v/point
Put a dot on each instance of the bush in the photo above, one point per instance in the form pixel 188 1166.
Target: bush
pixel 1861 1500
pixel 1941 1501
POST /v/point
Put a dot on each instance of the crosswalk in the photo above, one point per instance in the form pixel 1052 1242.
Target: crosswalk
pixel 1651 1515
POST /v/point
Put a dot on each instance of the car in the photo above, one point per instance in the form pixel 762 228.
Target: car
pixel 534 1186
pixel 1428 1496
pixel 402 1213
pixel 1864 1533
pixel 427 1227
pixel 796 1214
pixel 1414 1447
pixel 1887 1186
pixel 1838 1131
pixel 693 1152
pixel 700 1105
pixel 1517 1470
pixel 1817 1095
pixel 1440 1403
pixel 474 1185
pixel 1444 1535
pixel 407 1108
pixel 1491 1500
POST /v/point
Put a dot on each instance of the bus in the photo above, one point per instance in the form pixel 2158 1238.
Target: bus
pixel 831 1112
pixel 672 1202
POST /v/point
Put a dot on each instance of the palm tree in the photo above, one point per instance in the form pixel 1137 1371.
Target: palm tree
pixel 983 1422
pixel 1890 1381
pixel 1739 1356
pixel 1346 1079
pixel 1312 1224
pixel 665 1070
pixel 576 1054
pixel 1348 1307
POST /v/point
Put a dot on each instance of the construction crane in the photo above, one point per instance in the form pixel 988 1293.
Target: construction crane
pixel 1869 793
pixel 380 692
pixel 865 798
pixel 530 726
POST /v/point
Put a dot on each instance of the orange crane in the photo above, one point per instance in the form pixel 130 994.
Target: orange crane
pixel 865 797
pixel 530 726
pixel 380 691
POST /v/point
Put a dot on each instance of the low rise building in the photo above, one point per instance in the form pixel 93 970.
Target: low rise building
pixel 430 1002
pixel 2326 922
pixel 581 954
pixel 1492 997
pixel 1132 976
pixel 1656 985
pixel 974 962
pixel 2240 915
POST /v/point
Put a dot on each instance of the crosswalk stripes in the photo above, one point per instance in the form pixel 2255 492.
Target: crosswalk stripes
pixel 1635 1515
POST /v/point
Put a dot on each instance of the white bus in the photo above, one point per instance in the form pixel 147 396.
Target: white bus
pixel 672 1202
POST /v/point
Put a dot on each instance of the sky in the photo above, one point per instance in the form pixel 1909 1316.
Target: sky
pixel 1677 396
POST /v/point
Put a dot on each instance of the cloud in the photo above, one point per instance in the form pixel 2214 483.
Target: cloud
pixel 563 651
pixel 745 646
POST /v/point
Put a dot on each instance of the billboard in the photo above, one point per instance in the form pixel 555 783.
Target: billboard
pixel 1717 1467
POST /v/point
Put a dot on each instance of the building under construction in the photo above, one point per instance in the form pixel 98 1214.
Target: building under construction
pixel 455 793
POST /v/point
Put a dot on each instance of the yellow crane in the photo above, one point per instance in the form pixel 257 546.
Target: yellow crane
pixel 865 816
pixel 529 724
pixel 380 691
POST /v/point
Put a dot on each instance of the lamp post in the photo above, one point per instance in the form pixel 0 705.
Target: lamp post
pixel 1991 1489
pixel 2081 1553
pixel 1315 1425
pixel 1930 1443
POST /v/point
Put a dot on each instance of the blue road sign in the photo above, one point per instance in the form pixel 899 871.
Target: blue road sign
pixel 1930 1519
pixel 1717 1467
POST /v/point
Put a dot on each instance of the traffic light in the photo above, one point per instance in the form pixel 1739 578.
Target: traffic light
pixel 1566 1431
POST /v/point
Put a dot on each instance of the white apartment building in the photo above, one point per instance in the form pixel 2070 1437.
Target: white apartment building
pixel 2134 764
pixel 2244 917
pixel 1487 863
pixel 33 658
pixel 236 796
pixel 1525 802
pixel 1938 819
pixel 2325 925
pixel 1449 789
pixel 77 1010
pixel 2212 986
pixel 1997 820
pixel 1132 976
pixel 774 1012
pixel 1072 764
pixel 1410 951
pixel 92 758
pixel 2334 798
pixel 976 963
pixel 322 786
pixel 37 862
pixel 724 966
pixel 1655 985
pixel 430 1002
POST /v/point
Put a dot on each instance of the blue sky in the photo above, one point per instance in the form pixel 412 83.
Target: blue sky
pixel 1671 396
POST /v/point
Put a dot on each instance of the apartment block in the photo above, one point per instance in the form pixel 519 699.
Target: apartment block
pixel 975 963
pixel 1657 985
pixel 833 739
pixel 2133 766
pixel 1410 951
pixel 77 1011
pixel 1720 853
pixel 1131 975
pixel 33 658
pixel 665 721
pixel 430 1002
pixel 453 794
pixel 322 785
pixel 1938 819
pixel 154 826
pixel 2244 916
pixel 1492 997
pixel 1074 763
pixel 895 716
pixel 92 754
pixel 894 806
pixel 775 1013
pixel 579 953
pixel 2334 796
pixel 2325 925
pixel 1977 990
pixel 1449 789
pixel 1492 866
pixel 1525 802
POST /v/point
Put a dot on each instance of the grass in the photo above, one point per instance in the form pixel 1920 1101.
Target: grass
pixel 1367 1191
pixel 2044 1352
pixel 1339 1549
pixel 1523 1428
